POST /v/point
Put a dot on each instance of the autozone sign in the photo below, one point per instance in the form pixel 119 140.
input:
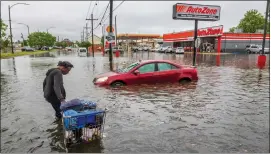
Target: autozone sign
pixel 196 12
pixel 211 31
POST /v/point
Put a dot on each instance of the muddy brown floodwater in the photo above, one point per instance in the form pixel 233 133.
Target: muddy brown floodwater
pixel 227 110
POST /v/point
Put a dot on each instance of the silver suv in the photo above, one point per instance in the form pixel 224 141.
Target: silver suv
pixel 252 48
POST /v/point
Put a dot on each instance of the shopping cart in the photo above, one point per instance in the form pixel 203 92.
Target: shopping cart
pixel 83 124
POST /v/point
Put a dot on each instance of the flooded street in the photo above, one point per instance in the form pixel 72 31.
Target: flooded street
pixel 227 110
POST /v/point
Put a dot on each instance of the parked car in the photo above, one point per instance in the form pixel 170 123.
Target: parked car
pixel 170 49
pixel 146 48
pixel 120 49
pixel 164 49
pixel 179 50
pixel 266 50
pixel 27 48
pixel 148 72
pixel 160 49
pixel 82 52
pixel 140 48
pixel 252 48
pixel 134 49
pixel 155 49
pixel 45 48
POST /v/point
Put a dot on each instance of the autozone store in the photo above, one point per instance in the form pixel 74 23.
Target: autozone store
pixel 213 39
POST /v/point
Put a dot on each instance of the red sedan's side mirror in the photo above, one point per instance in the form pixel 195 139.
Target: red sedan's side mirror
pixel 136 72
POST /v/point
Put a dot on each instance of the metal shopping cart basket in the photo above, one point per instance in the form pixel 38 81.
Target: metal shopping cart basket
pixel 83 126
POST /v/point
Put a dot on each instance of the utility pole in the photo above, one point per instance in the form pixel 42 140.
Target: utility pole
pixel 22 36
pixel 83 34
pixel 86 36
pixel 86 31
pixel 195 38
pixel 265 25
pixel 103 38
pixel 110 31
pixel 92 37
pixel 12 50
pixel 116 30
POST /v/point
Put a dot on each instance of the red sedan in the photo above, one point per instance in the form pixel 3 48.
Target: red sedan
pixel 148 72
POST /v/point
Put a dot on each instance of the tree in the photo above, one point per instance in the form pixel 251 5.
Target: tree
pixel 252 21
pixel 102 41
pixel 59 44
pixel 232 29
pixel 41 39
pixel 24 43
pixel 3 29
pixel 84 44
pixel 4 41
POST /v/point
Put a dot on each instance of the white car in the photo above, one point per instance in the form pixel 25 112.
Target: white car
pixel 180 50
pixel 145 48
pixel 252 48
pixel 82 52
pixel 164 48
pixel 140 49
pixel 170 49
pixel 156 49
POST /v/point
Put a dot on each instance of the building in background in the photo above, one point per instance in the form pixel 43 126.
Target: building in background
pixel 213 39
pixel 97 43
pixel 138 39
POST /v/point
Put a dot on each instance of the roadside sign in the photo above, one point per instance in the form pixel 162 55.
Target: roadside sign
pixel 197 43
pixel 108 29
pixel 182 11
pixel 109 38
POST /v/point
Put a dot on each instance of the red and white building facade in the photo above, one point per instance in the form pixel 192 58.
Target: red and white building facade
pixel 222 41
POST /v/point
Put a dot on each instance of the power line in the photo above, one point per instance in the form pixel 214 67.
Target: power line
pixel 114 9
pixel 103 12
pixel 102 17
pixel 97 10
pixel 89 8
pixel 108 15
pixel 94 7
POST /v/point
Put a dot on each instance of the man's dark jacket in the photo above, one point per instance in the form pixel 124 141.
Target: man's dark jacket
pixel 53 85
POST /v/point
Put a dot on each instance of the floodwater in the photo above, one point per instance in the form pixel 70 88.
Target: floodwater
pixel 227 110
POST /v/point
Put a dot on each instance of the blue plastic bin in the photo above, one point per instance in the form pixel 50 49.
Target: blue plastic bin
pixel 76 120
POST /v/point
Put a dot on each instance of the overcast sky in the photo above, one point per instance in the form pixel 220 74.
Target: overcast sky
pixel 151 17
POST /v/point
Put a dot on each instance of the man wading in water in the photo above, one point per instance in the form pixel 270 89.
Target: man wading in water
pixel 54 91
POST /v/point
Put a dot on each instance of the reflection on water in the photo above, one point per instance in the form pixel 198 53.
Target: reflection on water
pixel 227 110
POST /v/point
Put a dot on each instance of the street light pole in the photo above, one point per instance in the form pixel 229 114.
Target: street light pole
pixel 9 7
pixel 49 28
pixel 26 26
pixel 28 30
pixel 12 50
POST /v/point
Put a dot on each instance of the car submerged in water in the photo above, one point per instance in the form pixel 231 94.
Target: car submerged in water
pixel 148 72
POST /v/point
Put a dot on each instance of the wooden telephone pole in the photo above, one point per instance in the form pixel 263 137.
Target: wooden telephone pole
pixel 92 44
pixel 86 32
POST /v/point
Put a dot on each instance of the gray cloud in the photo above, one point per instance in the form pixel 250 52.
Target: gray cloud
pixel 153 17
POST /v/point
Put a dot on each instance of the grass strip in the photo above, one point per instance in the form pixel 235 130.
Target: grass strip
pixel 16 54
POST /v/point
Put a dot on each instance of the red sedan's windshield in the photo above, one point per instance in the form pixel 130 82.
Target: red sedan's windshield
pixel 127 69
